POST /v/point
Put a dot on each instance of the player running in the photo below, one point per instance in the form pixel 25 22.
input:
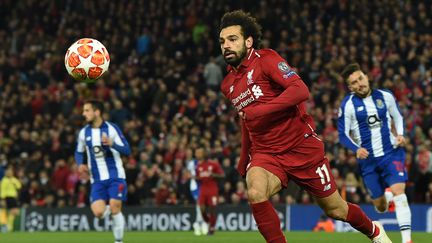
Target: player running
pixel 200 227
pixel 207 173
pixel 104 144
pixel 278 138
pixel 367 114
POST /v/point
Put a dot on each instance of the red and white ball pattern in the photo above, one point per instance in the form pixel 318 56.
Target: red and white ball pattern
pixel 87 59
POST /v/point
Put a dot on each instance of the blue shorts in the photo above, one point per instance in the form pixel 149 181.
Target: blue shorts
pixel 195 194
pixel 381 172
pixel 109 189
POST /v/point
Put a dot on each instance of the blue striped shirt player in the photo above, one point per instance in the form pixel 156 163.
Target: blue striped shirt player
pixel 104 144
pixel 104 162
pixel 365 124
pixel 193 185
pixel 200 227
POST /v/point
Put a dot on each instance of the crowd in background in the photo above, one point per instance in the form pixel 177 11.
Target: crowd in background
pixel 162 89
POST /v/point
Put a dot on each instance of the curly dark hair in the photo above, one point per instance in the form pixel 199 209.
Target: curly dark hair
pixel 349 69
pixel 249 25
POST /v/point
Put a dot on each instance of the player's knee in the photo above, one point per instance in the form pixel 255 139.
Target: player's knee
pixel 398 191
pixel 255 196
pixel 381 208
pixel 97 212
pixel 115 210
pixel 380 205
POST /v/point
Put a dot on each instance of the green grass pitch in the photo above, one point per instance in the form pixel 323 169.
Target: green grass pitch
pixel 174 237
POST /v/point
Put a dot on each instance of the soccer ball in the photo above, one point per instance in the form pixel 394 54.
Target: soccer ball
pixel 87 60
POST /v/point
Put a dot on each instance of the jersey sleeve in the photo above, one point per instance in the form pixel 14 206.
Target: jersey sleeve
pixel 345 117
pixel 119 141
pixel 197 172
pixel 80 148
pixel 276 69
pixel 17 183
pixel 245 149
pixel 395 113
pixel 219 169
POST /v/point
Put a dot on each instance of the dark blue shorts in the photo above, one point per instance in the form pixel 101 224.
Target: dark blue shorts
pixel 109 189
pixel 381 172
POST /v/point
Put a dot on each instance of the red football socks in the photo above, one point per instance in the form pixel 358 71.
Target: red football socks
pixel 359 221
pixel 212 220
pixel 268 222
pixel 205 216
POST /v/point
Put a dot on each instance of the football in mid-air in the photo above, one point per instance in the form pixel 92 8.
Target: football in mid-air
pixel 87 60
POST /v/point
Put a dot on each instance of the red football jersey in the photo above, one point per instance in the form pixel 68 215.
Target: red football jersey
pixel 272 95
pixel 203 173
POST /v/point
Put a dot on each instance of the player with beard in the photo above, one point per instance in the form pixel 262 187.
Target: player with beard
pixel 104 144
pixel 278 138
pixel 367 115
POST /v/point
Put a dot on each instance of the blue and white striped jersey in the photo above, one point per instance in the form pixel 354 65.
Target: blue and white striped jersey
pixel 366 122
pixel 194 185
pixel 104 162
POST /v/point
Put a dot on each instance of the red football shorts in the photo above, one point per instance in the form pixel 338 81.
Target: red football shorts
pixel 305 164
pixel 207 198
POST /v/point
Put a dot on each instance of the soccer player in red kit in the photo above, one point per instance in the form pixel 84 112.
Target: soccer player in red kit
pixel 278 138
pixel 207 173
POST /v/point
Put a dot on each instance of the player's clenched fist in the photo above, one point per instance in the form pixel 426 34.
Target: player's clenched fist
pixel 106 140
pixel 362 153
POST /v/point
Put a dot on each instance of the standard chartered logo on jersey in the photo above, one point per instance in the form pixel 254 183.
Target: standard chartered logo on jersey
pixel 247 97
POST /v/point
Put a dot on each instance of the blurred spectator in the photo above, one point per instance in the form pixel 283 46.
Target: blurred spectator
pixel 325 224
pixel 424 177
pixel 429 193
pixel 240 194
pixel 213 74
pixel 60 175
